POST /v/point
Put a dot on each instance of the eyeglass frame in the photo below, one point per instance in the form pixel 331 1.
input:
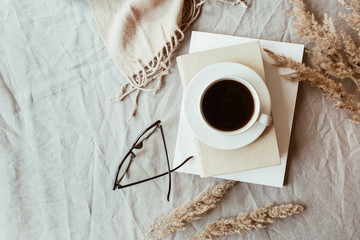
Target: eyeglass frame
pixel 117 182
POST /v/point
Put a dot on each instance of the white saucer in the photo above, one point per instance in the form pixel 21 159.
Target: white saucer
pixel 193 116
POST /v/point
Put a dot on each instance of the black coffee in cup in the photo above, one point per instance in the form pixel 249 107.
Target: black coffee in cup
pixel 227 105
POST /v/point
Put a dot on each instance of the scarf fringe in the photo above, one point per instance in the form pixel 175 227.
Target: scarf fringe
pixel 160 65
pixel 235 2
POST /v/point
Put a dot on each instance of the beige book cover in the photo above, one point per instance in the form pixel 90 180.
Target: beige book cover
pixel 264 151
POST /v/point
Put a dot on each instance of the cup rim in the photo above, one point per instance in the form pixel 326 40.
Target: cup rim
pixel 254 95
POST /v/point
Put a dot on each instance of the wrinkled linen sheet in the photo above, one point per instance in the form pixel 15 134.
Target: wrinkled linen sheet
pixel 62 140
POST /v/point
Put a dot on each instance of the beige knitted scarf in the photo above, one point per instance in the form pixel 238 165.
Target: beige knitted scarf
pixel 141 35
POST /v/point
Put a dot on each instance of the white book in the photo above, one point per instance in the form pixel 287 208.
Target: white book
pixel 283 98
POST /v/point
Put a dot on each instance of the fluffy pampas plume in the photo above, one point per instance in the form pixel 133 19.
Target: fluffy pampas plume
pixel 329 63
pixel 192 210
pixel 245 222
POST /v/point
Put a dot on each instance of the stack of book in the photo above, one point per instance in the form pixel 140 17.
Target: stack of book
pixel 264 160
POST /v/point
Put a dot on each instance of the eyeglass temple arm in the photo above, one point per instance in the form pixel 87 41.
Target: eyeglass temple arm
pixel 152 178
pixel 167 160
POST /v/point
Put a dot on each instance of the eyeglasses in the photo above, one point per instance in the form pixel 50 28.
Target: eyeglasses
pixel 130 156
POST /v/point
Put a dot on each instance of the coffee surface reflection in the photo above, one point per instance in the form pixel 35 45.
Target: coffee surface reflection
pixel 227 105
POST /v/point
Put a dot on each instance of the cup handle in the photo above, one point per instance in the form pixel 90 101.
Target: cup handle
pixel 265 119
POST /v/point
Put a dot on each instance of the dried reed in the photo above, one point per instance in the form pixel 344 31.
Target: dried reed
pixel 326 55
pixel 334 91
pixel 192 210
pixel 245 222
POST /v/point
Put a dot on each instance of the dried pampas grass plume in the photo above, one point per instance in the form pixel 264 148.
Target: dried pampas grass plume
pixel 245 222
pixel 326 55
pixel 352 18
pixel 192 210
pixel 334 91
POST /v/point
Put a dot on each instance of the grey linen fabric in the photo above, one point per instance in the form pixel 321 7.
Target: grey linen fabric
pixel 61 140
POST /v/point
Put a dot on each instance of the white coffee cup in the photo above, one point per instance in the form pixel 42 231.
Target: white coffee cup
pixel 255 117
